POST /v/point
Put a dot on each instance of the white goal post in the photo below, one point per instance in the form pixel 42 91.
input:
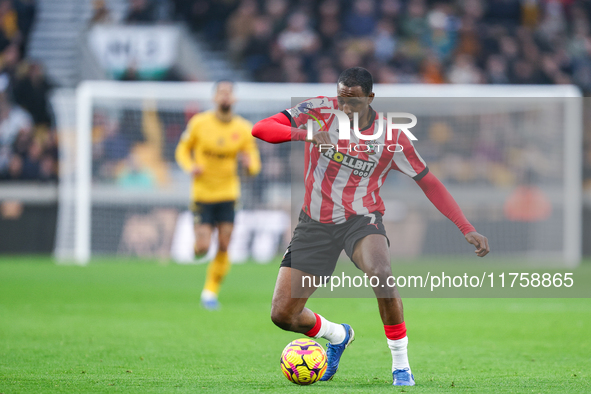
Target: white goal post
pixel 263 99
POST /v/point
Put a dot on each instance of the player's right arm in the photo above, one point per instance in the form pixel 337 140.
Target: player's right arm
pixel 184 150
pixel 277 129
pixel 290 125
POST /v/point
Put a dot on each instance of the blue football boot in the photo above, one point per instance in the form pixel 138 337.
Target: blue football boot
pixel 403 377
pixel 211 304
pixel 334 353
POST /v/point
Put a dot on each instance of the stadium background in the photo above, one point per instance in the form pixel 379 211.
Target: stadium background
pixel 128 324
pixel 49 47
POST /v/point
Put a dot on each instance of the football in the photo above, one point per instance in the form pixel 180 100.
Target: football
pixel 303 361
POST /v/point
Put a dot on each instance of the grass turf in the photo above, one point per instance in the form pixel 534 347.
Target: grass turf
pixel 137 328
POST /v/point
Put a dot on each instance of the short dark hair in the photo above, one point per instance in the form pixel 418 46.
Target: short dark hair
pixel 357 76
pixel 217 83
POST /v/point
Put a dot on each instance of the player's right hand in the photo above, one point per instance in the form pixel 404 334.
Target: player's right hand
pixel 197 170
pixel 321 137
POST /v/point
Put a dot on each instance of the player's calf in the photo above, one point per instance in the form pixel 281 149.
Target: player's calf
pixel 224 236
pixel 201 246
pixel 383 289
pixel 202 239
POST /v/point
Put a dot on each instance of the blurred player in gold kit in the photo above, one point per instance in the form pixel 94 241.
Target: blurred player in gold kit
pixel 209 149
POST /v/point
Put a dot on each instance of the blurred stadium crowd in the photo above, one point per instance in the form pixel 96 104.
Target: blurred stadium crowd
pixel 28 141
pixel 399 41
pixel 403 41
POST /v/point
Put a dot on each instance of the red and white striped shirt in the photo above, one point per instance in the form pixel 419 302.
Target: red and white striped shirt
pixel 346 182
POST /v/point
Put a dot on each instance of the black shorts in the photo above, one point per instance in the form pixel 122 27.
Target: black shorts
pixel 315 247
pixel 213 213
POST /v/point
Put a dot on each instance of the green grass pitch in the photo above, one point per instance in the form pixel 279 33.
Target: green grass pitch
pixel 137 327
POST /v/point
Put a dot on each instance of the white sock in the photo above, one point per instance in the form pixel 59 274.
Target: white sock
pixel 399 353
pixel 334 333
pixel 207 295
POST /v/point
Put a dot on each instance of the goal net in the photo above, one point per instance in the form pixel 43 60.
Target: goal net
pixel 498 149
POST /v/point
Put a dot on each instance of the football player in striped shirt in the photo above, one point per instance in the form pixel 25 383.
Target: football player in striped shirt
pixel 343 210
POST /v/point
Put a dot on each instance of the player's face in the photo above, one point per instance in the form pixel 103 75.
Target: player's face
pixel 352 99
pixel 224 96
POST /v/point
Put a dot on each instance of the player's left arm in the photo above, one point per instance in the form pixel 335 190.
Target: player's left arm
pixel 409 162
pixel 438 194
pixel 250 158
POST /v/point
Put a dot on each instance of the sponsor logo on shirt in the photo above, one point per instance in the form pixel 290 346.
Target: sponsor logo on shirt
pixel 217 155
pixel 360 167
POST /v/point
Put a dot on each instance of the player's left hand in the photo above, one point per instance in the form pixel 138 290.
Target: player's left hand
pixel 244 160
pixel 480 241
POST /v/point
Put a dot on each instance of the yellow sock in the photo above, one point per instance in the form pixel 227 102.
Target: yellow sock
pixel 216 272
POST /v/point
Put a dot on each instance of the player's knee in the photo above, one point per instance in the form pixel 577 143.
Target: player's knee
pixel 201 250
pixel 381 271
pixel 383 274
pixel 281 318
